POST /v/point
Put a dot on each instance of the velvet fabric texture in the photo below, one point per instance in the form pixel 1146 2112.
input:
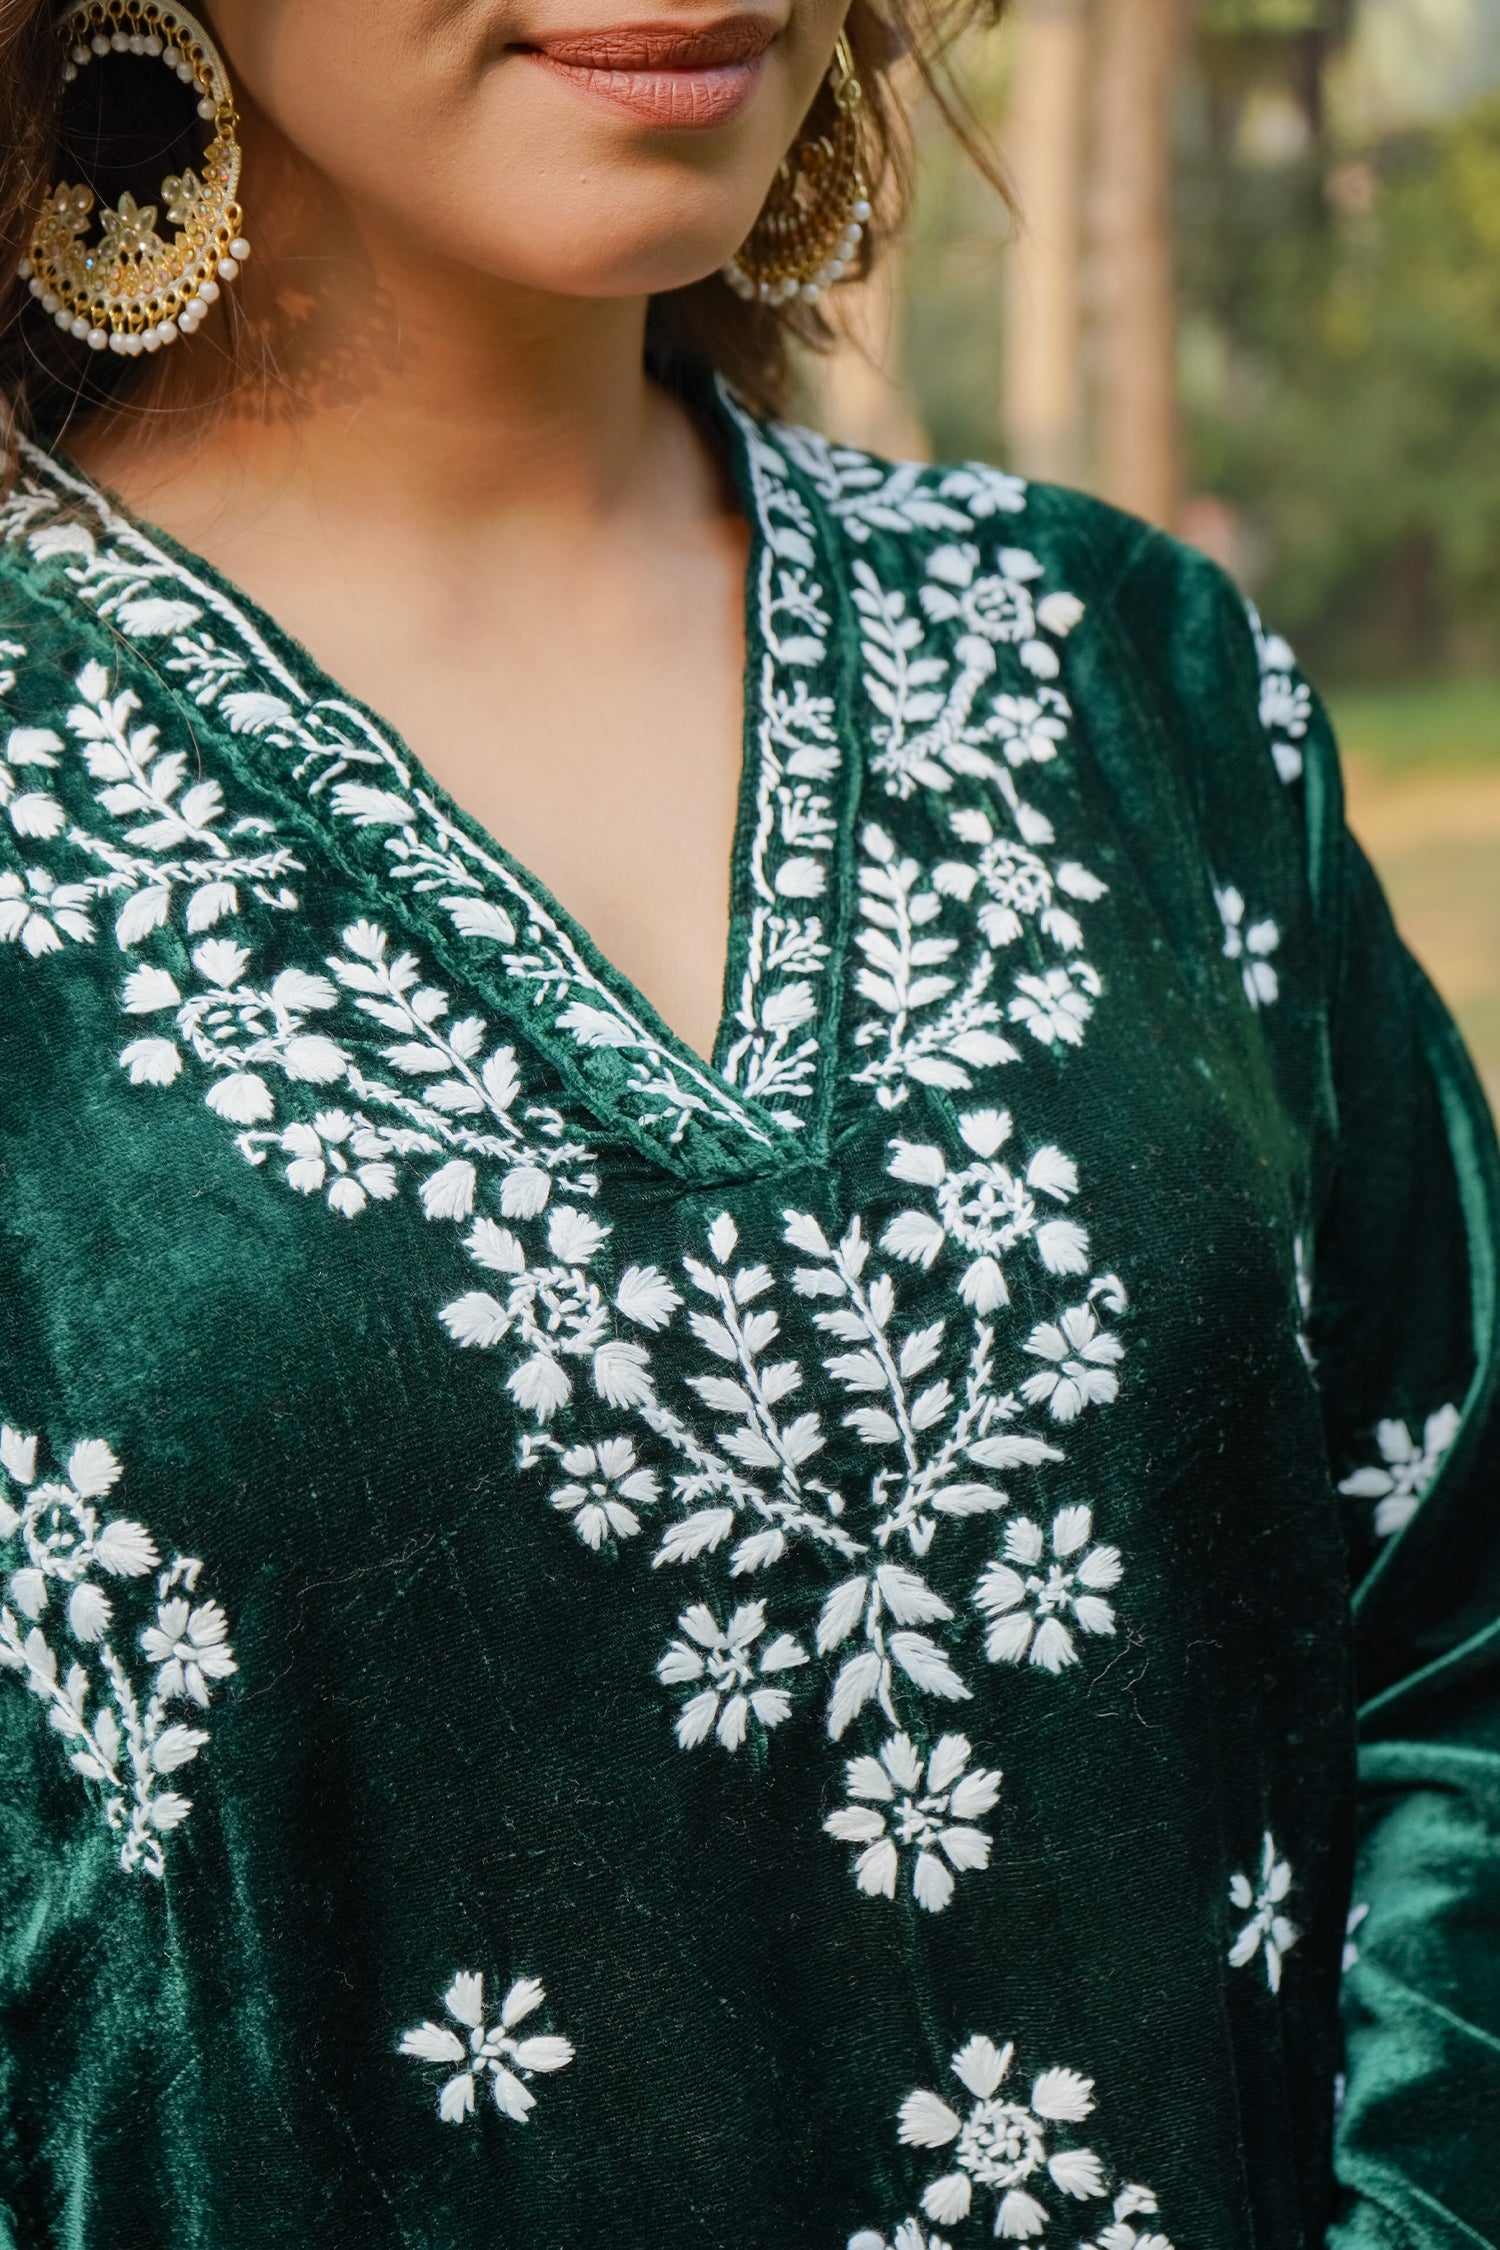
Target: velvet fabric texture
pixel 753 1656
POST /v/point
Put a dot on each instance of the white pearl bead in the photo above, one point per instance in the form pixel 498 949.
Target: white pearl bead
pixel 167 332
pixel 184 71
pixel 227 269
pixel 207 111
pixel 70 72
pixel 63 318
pixel 862 211
pixel 23 270
pixel 239 248
pixel 135 345
pixel 78 327
pixel 810 292
pixel 835 269
pixel 120 41
pixel 49 301
pixel 152 44
pixel 208 291
pixel 98 339
pixel 34 286
pixel 99 43
pixel 80 54
pixel 151 342
pixel 117 344
pixel 137 44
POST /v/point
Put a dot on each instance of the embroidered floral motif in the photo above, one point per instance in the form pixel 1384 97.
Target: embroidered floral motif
pixel 735 1671
pixel 68 1561
pixel 1251 947
pixel 1285 699
pixel 1036 1601
pixel 488 2051
pixel 1401 1479
pixel 1268 1931
pixel 1016 2162
pixel 42 914
pixel 938 1010
pixel 357 1082
pixel 342 762
pixel 927 1813
pixel 1132 2202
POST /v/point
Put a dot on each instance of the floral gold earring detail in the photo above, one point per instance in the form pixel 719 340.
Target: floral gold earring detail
pixel 136 289
pixel 811 224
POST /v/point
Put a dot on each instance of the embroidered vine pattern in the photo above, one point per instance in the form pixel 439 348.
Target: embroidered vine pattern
pixel 773 1056
pixel 356 1082
pixel 478 2053
pixel 943 1004
pixel 341 759
pixel 75 1578
pixel 1400 1480
pixel 1014 2156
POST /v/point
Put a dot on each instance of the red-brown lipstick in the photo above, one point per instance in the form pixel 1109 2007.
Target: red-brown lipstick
pixel 666 74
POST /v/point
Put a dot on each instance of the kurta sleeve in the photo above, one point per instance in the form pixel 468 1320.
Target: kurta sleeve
pixel 1404 1333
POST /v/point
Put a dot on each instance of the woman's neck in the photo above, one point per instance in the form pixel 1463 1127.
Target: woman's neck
pixel 385 381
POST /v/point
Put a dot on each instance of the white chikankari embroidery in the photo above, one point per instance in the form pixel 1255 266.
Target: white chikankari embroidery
pixel 1399 1482
pixel 774 1054
pixel 938 1007
pixel 737 1672
pixel 479 2050
pixel 1016 2162
pixel 70 1562
pixel 1132 2202
pixel 985 1209
pixel 927 1811
pixel 1285 699
pixel 1251 947
pixel 909 2235
pixel 1268 1931
pixel 1080 1357
pixel 1036 1600
pixel 356 1081
pixel 41 914
pixel 179 845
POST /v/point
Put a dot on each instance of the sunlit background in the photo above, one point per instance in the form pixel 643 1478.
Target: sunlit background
pixel 1255 296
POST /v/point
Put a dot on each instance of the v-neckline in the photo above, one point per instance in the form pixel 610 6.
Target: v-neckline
pixel 762 1102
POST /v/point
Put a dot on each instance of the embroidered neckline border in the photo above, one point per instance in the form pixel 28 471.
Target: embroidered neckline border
pixel 369 799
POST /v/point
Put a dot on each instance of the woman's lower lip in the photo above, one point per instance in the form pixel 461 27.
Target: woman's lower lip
pixel 676 98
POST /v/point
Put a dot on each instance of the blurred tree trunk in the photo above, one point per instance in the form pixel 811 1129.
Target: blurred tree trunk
pixel 1132 297
pixel 1042 400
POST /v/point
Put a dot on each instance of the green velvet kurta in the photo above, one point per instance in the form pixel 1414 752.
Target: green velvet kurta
pixel 757 1657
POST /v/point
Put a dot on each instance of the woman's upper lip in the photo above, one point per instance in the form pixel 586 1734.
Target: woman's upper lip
pixel 659 46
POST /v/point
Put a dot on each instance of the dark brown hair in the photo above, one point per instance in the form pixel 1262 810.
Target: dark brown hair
pixel 45 378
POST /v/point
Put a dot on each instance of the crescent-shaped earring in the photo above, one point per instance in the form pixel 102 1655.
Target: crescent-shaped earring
pixel 133 290
pixel 811 224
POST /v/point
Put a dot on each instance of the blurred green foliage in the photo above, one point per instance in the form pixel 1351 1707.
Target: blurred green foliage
pixel 1406 725
pixel 1341 370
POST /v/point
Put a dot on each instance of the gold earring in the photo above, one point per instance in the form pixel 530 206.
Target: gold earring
pixel 133 291
pixel 812 222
